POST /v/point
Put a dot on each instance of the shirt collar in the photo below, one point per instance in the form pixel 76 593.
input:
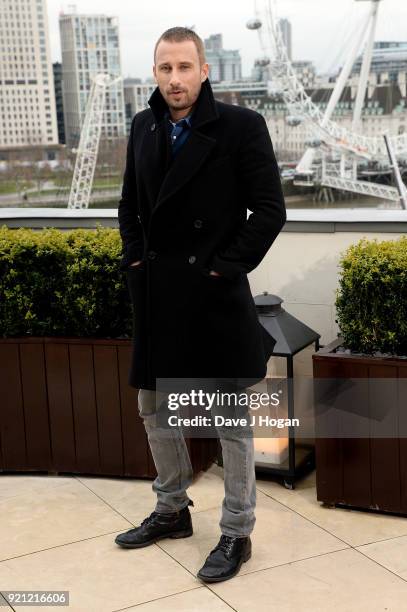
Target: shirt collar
pixel 187 118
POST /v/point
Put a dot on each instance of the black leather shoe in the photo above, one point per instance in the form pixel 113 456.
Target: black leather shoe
pixel 158 526
pixel 225 560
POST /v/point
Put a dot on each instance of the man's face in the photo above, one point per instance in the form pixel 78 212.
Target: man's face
pixel 179 75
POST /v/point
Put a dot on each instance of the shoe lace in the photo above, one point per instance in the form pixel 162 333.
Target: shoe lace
pixel 153 516
pixel 225 544
pixel 149 519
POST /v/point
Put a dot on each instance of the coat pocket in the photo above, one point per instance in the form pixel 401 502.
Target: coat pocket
pixel 135 281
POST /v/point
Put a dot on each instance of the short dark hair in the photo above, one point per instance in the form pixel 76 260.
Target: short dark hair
pixel 179 34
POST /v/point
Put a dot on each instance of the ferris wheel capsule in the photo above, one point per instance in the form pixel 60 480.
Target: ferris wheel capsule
pixel 262 61
pixel 314 143
pixel 253 24
pixel 293 120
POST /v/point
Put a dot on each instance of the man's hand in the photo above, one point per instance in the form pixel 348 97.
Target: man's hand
pixel 136 263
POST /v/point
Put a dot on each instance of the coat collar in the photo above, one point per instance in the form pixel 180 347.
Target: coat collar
pixel 193 152
pixel 205 109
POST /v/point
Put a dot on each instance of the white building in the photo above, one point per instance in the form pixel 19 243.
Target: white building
pixel 304 70
pixel 90 45
pixel 27 98
pixel 136 96
pixel 388 66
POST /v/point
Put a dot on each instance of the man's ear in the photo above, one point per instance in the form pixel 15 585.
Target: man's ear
pixel 205 70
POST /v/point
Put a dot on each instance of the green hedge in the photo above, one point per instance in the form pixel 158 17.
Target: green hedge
pixel 371 300
pixel 63 283
pixel 68 283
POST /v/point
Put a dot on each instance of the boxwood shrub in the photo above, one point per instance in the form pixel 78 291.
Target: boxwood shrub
pixel 371 300
pixel 63 283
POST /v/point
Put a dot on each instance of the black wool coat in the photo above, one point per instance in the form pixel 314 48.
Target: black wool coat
pixel 185 216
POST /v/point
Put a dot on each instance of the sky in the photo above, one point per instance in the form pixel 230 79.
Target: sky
pixel 321 29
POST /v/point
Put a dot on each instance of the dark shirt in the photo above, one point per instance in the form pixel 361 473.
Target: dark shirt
pixel 178 131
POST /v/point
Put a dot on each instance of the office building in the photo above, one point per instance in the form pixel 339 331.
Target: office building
pixel 136 96
pixel 286 34
pixel 27 99
pixel 90 45
pixel 388 65
pixel 224 64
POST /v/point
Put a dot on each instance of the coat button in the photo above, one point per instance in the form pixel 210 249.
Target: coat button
pixel 197 223
pixel 151 254
pixel 192 259
pixel 153 126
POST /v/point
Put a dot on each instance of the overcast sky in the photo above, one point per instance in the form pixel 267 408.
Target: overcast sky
pixel 320 28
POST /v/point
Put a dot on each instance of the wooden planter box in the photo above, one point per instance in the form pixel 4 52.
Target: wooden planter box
pixel 368 472
pixel 66 406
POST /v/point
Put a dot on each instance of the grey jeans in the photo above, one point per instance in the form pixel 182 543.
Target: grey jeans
pixel 174 469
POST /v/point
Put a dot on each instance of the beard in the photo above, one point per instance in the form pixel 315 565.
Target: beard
pixel 179 104
pixel 184 100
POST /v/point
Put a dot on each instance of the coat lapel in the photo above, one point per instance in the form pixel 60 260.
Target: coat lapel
pixel 185 165
pixel 154 160
pixel 193 152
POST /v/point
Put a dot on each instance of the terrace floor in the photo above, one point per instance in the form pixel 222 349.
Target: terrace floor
pixel 57 533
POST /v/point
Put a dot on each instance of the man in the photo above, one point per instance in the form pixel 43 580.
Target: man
pixel 194 166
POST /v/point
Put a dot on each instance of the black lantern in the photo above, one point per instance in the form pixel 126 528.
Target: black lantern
pixel 295 456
